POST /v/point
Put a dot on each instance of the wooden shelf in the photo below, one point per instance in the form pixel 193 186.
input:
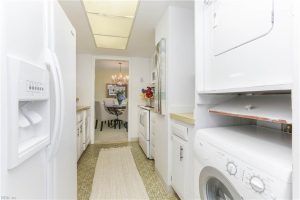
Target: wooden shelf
pixel 270 108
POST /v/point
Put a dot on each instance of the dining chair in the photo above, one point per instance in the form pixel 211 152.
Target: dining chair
pixel 109 101
pixel 101 115
pixel 124 117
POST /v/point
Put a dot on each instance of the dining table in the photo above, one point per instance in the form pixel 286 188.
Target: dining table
pixel 116 110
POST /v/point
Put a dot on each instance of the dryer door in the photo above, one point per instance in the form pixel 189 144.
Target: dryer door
pixel 239 22
pixel 214 185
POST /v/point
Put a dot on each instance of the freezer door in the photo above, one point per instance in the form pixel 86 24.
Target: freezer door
pixel 25 38
pixel 239 22
pixel 63 159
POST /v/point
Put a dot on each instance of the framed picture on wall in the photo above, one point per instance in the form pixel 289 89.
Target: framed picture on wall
pixel 111 90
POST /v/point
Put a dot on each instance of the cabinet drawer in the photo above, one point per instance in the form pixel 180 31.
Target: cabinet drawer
pixel 180 131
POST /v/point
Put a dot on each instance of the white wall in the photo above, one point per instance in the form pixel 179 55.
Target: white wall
pixel 139 70
pixel 85 79
pixel 177 27
pixel 161 138
pixel 85 83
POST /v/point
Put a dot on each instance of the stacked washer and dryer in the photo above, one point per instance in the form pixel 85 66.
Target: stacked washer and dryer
pixel 243 49
pixel 242 162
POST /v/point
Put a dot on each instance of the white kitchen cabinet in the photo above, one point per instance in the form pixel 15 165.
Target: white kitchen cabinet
pixel 83 130
pixel 179 165
pixel 244 51
pixel 80 134
pixel 181 175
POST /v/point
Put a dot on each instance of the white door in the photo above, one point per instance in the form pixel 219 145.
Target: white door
pixel 179 165
pixel 238 22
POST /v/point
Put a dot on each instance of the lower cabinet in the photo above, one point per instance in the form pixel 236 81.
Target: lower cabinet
pixel 179 165
pixel 80 135
pixel 83 131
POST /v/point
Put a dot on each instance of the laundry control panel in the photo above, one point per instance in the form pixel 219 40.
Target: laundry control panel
pixel 253 180
pixel 259 184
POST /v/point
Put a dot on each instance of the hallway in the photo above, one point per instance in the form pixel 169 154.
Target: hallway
pixel 87 164
pixel 110 135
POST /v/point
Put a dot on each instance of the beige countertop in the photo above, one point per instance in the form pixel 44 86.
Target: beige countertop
pixel 82 108
pixel 187 118
pixel 146 107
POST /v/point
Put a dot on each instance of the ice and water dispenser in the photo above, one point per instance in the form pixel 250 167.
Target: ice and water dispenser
pixel 28 111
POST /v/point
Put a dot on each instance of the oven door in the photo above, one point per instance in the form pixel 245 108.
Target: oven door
pixel 144 144
pixel 144 123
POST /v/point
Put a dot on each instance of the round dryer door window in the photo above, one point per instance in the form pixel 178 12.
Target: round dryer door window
pixel 213 185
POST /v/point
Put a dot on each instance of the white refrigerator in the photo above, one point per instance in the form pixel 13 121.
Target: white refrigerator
pixel 38 101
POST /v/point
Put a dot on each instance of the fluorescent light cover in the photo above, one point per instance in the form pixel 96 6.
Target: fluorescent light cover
pixel 111 42
pixel 125 8
pixel 113 26
pixel 111 21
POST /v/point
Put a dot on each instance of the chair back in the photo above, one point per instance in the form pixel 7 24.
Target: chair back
pixel 109 101
pixel 124 115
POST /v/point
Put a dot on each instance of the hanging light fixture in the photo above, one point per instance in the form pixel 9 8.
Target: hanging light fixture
pixel 120 79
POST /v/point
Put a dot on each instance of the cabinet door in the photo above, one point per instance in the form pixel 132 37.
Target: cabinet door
pixel 78 142
pixel 238 22
pixel 179 161
pixel 81 138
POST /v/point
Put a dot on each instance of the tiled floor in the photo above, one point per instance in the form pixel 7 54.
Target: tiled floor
pixel 87 164
pixel 110 135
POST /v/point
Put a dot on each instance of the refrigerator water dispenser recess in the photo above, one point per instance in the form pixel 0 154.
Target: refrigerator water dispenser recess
pixel 28 110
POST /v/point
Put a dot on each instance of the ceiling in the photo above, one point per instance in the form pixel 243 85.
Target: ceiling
pixel 141 41
pixel 112 64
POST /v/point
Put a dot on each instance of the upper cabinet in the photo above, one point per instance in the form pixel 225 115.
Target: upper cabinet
pixel 247 45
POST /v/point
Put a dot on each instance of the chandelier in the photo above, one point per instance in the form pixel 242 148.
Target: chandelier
pixel 120 79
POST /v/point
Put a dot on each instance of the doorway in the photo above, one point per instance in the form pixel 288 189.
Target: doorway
pixel 111 101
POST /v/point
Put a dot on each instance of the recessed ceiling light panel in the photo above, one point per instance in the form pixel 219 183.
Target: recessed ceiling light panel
pixel 111 42
pixel 114 26
pixel 111 21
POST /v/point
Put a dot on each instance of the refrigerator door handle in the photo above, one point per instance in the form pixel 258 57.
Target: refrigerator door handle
pixel 54 68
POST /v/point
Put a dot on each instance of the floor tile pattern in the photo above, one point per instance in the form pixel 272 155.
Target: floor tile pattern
pixel 111 135
pixel 87 164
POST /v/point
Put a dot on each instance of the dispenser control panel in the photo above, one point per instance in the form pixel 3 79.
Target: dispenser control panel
pixel 33 83
pixel 29 110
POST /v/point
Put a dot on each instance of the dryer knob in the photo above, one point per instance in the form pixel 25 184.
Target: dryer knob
pixel 231 168
pixel 257 184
